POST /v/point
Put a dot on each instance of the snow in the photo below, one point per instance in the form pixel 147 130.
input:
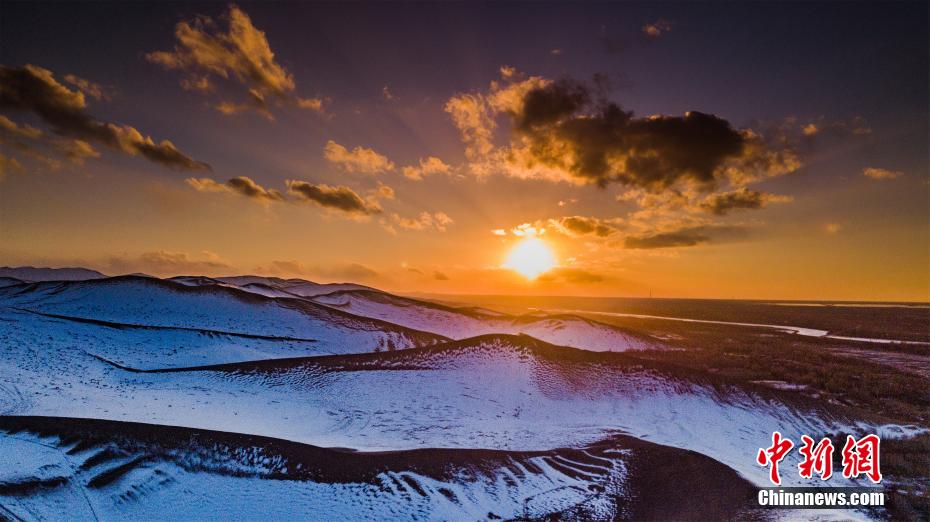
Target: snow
pixel 564 330
pixel 30 273
pixel 290 287
pixel 141 350
pixel 495 394
pixel 218 310
pixel 165 487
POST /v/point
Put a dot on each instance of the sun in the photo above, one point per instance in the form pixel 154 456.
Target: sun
pixel 530 258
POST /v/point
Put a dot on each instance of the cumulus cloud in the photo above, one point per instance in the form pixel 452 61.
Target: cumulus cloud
pixel 881 174
pixel 576 226
pixel 565 130
pixel 359 159
pixel 34 89
pixel 231 48
pixel 337 198
pixel 743 198
pixel 428 166
pixel 686 237
pixel 241 185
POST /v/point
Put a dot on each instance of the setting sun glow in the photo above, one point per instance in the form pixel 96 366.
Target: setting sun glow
pixel 530 258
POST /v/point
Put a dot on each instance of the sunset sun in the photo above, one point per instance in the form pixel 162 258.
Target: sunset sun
pixel 530 258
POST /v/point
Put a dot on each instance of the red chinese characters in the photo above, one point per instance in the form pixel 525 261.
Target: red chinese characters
pixel 774 454
pixel 861 457
pixel 817 459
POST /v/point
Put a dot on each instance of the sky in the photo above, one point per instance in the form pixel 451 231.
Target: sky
pixel 720 150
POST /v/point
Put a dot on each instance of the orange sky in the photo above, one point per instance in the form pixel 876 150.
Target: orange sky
pixel 334 159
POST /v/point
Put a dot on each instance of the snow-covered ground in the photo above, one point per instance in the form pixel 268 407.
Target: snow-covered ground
pixel 561 329
pixel 139 301
pixel 208 355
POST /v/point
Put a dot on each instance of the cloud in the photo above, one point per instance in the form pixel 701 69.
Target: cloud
pixel 571 275
pixel 428 166
pixel 8 164
pixel 881 174
pixel 555 52
pixel 338 198
pixel 611 145
pixel 576 226
pixel 686 237
pixel 384 191
pixel 12 129
pixel 722 203
pixel 49 151
pixel 386 93
pixel 425 221
pixel 241 185
pixel 657 28
pixel 359 159
pixel 528 230
pixel 89 88
pixel 167 263
pixel 855 126
pixel 256 103
pixel 311 104
pixel 832 228
pixel 231 49
pixel 564 130
pixel 34 89
pixel 439 276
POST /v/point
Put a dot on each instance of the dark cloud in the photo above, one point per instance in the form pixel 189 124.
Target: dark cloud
pixel 339 198
pixel 247 187
pixel 603 143
pixel 686 237
pixel 439 276
pixel 722 203
pixel 581 226
pixel 34 89
pixel 241 185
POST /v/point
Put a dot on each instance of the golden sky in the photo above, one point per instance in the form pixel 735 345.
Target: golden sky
pixel 633 151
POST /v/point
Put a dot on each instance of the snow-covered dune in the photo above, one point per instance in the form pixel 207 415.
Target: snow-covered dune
pixel 116 470
pixel 31 273
pixel 509 393
pixel 291 287
pixel 131 300
pixel 460 323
